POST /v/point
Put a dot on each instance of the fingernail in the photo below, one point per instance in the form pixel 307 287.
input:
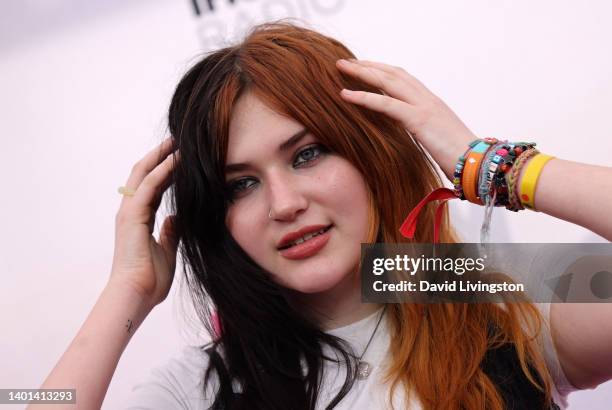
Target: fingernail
pixel 342 61
pixel 346 92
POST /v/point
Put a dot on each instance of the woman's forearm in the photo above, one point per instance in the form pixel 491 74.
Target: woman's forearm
pixel 577 193
pixel 91 359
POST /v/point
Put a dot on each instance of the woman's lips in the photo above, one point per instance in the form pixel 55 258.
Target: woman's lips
pixel 308 248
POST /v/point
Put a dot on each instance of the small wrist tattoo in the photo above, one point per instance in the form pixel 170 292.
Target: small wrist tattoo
pixel 129 325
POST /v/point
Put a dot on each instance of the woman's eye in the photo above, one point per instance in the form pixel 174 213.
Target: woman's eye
pixel 309 154
pixel 238 186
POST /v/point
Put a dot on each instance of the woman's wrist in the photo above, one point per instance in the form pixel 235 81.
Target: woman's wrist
pixel 453 152
pixel 124 291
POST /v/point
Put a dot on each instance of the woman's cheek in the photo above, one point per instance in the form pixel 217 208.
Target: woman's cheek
pixel 234 225
pixel 243 227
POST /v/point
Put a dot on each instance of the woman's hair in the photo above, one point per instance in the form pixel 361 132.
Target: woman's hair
pixel 436 349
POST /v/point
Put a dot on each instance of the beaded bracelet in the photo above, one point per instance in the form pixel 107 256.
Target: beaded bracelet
pixel 508 153
pixel 496 187
pixel 514 203
pixel 487 172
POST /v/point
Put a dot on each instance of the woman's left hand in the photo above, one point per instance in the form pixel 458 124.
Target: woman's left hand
pixel 408 101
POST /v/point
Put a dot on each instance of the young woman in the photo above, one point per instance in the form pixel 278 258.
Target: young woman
pixel 284 158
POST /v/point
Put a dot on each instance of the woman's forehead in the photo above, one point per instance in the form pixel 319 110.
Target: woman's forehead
pixel 254 125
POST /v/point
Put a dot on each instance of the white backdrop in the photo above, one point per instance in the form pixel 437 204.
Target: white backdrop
pixel 84 94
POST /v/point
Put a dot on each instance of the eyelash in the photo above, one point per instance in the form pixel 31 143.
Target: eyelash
pixel 232 186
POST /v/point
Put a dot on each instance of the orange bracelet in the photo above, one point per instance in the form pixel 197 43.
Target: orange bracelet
pixel 471 170
pixel 470 174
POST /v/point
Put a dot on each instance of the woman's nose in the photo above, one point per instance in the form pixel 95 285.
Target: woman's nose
pixel 287 199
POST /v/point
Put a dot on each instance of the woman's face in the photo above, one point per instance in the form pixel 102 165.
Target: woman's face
pixel 302 185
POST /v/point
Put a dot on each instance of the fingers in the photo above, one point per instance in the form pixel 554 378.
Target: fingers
pixel 154 184
pixel 148 163
pixel 393 107
pixel 381 66
pixel 150 177
pixel 392 70
pixel 370 75
pixel 392 80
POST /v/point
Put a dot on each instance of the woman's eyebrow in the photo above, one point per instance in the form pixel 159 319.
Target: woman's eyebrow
pixel 293 140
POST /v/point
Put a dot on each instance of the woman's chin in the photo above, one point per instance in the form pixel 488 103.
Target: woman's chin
pixel 314 283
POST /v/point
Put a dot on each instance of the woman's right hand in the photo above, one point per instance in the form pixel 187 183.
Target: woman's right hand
pixel 140 262
pixel 408 101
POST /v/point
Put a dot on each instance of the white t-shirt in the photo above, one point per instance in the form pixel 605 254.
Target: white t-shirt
pixel 178 383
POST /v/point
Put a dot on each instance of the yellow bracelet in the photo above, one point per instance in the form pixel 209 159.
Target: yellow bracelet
pixel 530 180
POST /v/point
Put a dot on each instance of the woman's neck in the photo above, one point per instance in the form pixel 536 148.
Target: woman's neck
pixel 339 306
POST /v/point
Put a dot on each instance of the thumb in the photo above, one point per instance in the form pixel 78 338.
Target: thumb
pixel 168 238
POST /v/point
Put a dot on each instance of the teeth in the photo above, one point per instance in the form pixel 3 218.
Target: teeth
pixel 306 237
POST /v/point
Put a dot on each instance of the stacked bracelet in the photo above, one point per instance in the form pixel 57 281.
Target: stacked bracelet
pixel 490 168
pixel 488 171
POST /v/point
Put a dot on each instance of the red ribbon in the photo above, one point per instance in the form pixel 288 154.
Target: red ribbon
pixel 408 227
pixel 216 325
